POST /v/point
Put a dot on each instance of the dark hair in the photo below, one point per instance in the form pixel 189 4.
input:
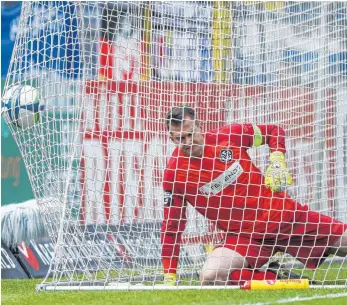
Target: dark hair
pixel 176 115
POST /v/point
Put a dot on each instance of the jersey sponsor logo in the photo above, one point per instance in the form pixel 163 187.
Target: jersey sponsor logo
pixel 226 155
pixel 222 181
pixel 167 198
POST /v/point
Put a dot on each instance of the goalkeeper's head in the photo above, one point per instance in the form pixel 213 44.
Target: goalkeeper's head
pixel 185 131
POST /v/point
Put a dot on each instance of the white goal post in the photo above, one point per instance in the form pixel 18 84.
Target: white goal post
pixel 108 72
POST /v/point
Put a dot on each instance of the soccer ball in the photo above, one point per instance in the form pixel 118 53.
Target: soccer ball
pixel 22 103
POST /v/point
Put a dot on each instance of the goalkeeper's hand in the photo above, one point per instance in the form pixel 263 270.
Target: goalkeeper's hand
pixel 170 279
pixel 277 177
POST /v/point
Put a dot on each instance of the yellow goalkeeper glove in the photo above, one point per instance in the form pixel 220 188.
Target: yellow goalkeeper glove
pixel 277 177
pixel 170 279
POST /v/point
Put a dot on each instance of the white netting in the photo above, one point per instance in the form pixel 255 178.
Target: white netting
pixel 107 75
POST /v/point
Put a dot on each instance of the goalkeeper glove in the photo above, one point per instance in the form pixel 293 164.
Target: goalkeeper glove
pixel 170 279
pixel 277 177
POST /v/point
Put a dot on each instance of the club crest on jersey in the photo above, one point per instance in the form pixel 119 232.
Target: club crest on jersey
pixel 226 155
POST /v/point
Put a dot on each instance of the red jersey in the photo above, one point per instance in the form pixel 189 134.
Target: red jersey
pixel 225 187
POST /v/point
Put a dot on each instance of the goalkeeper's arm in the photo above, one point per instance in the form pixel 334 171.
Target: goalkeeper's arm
pixel 171 231
pixel 277 176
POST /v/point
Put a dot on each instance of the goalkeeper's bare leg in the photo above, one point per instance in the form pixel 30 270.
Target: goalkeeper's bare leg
pixel 219 264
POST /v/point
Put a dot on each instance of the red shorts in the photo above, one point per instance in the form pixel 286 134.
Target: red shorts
pixel 307 239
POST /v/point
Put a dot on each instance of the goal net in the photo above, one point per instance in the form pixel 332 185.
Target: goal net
pixel 108 73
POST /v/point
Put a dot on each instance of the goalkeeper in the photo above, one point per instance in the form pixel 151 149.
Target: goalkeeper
pixel 213 172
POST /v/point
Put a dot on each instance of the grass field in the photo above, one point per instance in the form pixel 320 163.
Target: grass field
pixel 23 292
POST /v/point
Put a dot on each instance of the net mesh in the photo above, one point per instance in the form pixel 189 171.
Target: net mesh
pixel 108 73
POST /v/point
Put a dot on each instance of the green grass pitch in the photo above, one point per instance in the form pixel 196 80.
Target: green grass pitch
pixel 23 292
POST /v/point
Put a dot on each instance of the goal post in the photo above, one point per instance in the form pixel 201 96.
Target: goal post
pixel 108 73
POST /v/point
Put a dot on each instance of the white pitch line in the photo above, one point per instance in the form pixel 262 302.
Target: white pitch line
pixel 297 299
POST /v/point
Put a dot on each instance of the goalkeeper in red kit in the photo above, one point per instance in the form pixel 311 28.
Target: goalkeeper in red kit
pixel 213 172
